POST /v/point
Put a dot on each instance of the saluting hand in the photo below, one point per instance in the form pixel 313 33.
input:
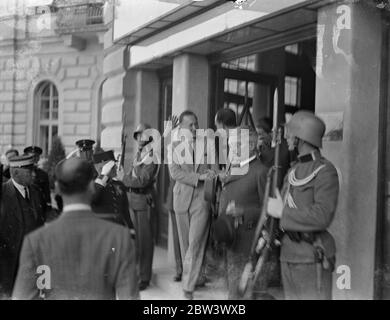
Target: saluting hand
pixel 275 206
pixel 108 168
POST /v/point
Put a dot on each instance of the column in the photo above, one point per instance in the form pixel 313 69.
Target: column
pixel 347 92
pixel 191 75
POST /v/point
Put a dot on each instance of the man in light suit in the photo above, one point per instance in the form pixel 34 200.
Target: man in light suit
pixel 79 255
pixel 193 220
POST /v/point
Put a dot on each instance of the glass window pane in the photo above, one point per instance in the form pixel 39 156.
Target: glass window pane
pixel 243 63
pixel 55 110
pixel 291 91
pixel 55 92
pixel 46 90
pixel 241 88
pixel 251 86
pixel 45 109
pixel 292 48
pixel 232 86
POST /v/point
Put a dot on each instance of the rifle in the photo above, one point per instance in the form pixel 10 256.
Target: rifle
pixel 266 228
pixel 123 144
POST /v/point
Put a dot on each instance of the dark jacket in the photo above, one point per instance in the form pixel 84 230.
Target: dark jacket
pixel 12 232
pixel 315 205
pixel 247 191
pixel 267 155
pixel 112 200
pixel 41 180
pixel 89 258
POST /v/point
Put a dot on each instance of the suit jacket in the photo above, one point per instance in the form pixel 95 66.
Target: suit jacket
pixel 248 192
pixel 316 203
pixel 186 175
pixel 89 258
pixel 12 232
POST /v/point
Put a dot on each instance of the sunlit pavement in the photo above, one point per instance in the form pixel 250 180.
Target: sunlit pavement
pixel 163 287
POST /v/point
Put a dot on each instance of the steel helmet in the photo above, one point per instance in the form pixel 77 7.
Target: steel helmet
pixel 140 128
pixel 308 127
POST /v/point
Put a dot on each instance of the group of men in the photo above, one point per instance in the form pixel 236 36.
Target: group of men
pixel 93 246
pixel 101 244
pixel 305 206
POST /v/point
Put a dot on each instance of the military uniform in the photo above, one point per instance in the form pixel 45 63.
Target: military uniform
pixel 40 177
pixel 247 191
pixel 310 193
pixel 307 207
pixel 141 181
pixel 110 202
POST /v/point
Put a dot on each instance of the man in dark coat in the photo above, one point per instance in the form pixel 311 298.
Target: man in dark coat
pixel 110 200
pixel 79 255
pixel 40 177
pixel 22 211
pixel 241 198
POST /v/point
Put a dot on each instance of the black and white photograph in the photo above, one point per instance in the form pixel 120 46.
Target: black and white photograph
pixel 212 152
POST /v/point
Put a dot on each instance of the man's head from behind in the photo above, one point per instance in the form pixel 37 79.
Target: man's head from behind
pixel 225 119
pixel 75 180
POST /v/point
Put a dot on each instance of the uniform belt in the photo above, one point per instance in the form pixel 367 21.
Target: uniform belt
pixel 297 236
pixel 141 190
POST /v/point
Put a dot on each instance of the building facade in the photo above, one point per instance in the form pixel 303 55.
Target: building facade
pixel 153 58
pixel 51 58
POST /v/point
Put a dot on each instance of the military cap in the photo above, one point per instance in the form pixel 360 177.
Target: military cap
pixel 223 229
pixel 33 149
pixel 23 161
pixel 140 128
pixel 85 144
pixel 11 151
pixel 104 156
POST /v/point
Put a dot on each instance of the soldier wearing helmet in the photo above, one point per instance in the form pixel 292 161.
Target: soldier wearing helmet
pixel 141 182
pixel 306 209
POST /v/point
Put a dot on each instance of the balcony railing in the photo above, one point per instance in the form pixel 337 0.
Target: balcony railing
pixel 77 17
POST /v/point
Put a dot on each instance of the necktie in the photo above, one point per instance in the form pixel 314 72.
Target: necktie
pixel 26 195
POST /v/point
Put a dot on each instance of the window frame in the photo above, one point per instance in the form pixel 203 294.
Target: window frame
pixel 51 122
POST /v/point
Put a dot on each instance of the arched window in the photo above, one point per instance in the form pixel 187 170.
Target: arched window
pixel 46 98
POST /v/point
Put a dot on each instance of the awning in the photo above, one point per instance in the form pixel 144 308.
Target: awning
pixel 184 12
pixel 294 23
